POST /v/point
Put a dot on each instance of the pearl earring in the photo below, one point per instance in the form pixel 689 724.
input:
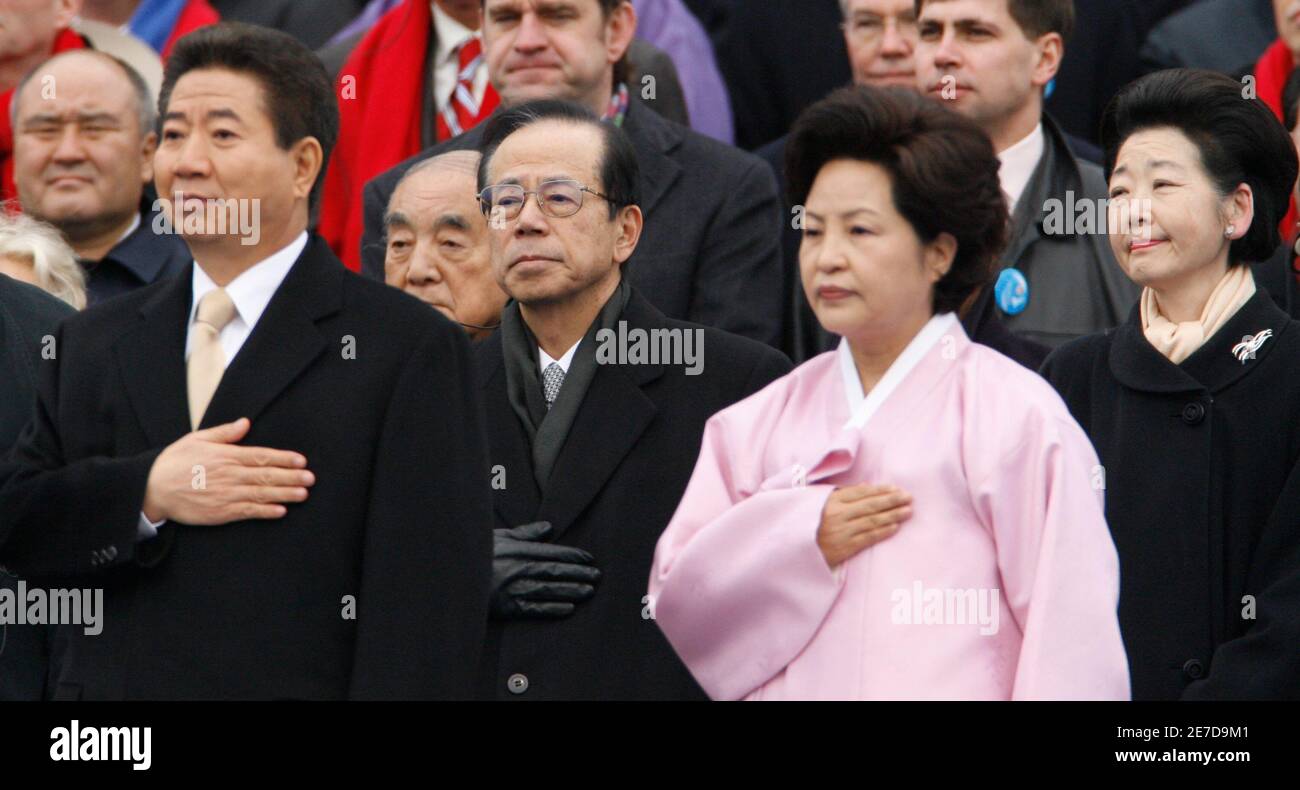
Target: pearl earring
pixel 1231 230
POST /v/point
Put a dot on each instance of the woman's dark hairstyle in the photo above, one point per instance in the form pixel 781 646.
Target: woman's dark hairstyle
pixel 1239 139
pixel 298 95
pixel 943 170
pixel 619 171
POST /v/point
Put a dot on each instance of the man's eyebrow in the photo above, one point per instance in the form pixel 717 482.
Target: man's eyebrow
pixel 213 114
pixel 80 117
pixel 454 221
pixel 42 117
pixel 970 23
pixel 397 218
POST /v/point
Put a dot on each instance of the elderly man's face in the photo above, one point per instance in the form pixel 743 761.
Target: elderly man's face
pixel 881 38
pixel 81 159
pixel 554 49
pixel 437 247
pixel 541 259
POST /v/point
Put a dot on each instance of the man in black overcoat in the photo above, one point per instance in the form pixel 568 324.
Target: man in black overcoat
pixel 596 404
pixel 274 469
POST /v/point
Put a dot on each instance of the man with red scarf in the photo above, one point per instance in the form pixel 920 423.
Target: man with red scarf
pixel 30 32
pixel 390 109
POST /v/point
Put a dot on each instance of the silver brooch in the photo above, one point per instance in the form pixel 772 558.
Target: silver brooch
pixel 1250 344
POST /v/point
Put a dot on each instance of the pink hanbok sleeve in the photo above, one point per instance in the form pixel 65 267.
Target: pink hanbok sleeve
pixel 739 585
pixel 1042 498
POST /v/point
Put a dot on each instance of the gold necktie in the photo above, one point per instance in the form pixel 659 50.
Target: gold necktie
pixel 207 359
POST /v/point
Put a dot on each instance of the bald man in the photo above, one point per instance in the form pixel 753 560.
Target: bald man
pixel 83 155
pixel 436 243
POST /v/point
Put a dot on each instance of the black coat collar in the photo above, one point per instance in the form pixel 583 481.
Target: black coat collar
pixel 1213 367
pixel 1056 175
pixel 613 415
pixel 146 253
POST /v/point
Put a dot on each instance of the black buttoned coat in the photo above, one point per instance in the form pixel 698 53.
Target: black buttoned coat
pixel 615 485
pixel 1203 499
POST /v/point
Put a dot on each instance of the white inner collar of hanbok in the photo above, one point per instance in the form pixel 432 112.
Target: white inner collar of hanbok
pixel 861 407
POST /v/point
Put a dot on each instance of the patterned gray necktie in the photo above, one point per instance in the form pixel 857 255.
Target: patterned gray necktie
pixel 552 380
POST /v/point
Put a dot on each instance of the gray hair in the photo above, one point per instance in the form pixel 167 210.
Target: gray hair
pixel 457 161
pixel 146 104
pixel 54 263
pixel 464 162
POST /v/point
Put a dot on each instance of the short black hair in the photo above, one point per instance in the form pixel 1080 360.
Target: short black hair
pixel 297 92
pixel 1239 140
pixel 942 168
pixel 620 174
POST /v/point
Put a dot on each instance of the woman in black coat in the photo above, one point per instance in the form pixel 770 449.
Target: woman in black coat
pixel 1193 403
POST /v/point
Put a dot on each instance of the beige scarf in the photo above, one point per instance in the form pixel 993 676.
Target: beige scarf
pixel 1178 341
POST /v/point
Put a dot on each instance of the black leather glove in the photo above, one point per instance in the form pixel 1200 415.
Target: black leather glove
pixel 531 579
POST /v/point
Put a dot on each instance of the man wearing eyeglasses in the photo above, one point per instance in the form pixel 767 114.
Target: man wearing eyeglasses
pixel 595 404
pixel 712 247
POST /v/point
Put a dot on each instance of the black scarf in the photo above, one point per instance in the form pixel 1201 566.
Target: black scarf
pixel 547 430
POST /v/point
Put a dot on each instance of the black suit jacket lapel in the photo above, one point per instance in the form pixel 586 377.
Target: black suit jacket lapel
pixel 614 414
pixel 517 502
pixel 151 358
pixel 286 339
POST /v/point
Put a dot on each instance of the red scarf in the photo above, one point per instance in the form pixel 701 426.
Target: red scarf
pixel 196 14
pixel 1271 71
pixel 64 41
pixel 381 94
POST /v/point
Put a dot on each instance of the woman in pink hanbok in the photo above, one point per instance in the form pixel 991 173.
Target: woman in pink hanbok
pixel 795 567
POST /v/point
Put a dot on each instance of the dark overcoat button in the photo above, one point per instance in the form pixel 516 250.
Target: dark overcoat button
pixel 517 683
pixel 1193 413
pixel 1194 669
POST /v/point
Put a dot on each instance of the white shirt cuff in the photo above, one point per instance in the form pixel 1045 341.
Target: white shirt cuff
pixel 147 529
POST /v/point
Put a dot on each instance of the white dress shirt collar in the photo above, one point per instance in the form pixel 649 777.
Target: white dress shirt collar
pixel 451 34
pixel 252 290
pixel 1018 164
pixel 135 223
pixel 544 359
